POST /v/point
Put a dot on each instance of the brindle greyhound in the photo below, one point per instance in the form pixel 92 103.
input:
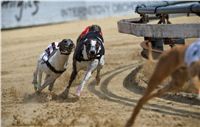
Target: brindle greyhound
pixel 88 56
pixel 53 65
pixel 182 63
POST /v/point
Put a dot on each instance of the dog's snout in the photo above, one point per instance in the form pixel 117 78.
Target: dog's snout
pixel 71 45
pixel 92 52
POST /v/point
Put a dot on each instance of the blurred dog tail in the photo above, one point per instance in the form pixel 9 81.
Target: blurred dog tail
pixel 150 55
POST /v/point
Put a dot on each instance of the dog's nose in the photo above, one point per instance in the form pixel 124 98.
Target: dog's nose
pixel 92 52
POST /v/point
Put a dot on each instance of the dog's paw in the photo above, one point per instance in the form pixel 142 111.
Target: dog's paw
pixel 98 81
pixel 36 87
pixel 38 92
pixel 51 96
pixel 129 123
pixel 34 82
pixel 64 94
pixel 78 90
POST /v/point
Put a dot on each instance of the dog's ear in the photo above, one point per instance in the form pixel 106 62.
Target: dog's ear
pixel 73 45
pixel 64 41
pixel 59 44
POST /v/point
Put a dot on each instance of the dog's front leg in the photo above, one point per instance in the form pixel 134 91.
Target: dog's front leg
pixel 49 81
pixel 65 93
pixel 81 86
pixel 98 79
pixel 100 66
pixel 88 74
pixel 37 77
pixel 35 82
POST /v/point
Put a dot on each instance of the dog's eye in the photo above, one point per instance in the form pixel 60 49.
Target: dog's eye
pixel 71 45
pixel 97 45
pixel 88 44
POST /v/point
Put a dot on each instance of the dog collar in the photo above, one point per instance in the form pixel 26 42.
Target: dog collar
pixel 65 53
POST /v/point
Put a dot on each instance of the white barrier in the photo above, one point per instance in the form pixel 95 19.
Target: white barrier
pixel 30 13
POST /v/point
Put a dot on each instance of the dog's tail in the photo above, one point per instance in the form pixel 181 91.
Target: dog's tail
pixel 150 55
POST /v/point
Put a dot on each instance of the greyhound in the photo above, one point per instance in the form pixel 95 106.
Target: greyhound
pixel 88 56
pixel 53 62
pixel 182 63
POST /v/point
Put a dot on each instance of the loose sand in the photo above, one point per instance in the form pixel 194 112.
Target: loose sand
pixel 108 105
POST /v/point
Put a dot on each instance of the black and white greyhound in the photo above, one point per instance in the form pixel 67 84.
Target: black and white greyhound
pixel 53 62
pixel 88 56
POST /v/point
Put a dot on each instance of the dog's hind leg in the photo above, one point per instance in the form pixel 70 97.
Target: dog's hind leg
pixel 98 79
pixel 142 101
pixel 163 69
pixel 178 79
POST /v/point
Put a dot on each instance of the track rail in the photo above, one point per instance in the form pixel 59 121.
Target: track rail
pixel 131 26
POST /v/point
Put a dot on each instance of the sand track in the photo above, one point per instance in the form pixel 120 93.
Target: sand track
pixel 106 105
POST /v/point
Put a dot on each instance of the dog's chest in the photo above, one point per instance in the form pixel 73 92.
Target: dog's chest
pixel 84 53
pixel 83 65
